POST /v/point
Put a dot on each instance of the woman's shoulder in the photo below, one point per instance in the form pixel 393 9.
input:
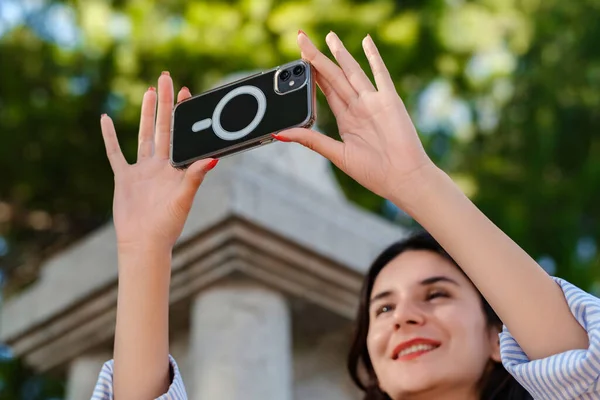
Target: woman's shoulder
pixel 573 374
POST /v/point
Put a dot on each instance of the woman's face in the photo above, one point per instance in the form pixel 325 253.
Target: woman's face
pixel 427 332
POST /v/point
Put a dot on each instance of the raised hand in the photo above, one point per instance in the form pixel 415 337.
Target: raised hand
pixel 380 147
pixel 152 199
pixel 151 203
pixel 381 150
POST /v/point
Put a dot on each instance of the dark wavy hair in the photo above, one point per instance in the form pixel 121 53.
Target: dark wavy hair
pixel 496 384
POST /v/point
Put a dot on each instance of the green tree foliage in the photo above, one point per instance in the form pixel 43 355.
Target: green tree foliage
pixel 538 171
pixel 505 94
pixel 17 382
pixel 67 62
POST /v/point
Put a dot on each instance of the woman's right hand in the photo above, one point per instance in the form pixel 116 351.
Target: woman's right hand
pixel 152 199
pixel 151 203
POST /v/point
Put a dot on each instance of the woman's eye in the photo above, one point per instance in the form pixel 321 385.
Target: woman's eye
pixel 435 294
pixel 383 309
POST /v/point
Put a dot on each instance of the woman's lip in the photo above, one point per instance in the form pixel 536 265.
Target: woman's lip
pixel 414 355
pixel 413 342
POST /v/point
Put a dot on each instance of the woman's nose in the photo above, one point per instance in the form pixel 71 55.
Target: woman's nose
pixel 408 314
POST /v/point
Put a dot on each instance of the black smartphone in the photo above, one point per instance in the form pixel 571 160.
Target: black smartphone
pixel 243 114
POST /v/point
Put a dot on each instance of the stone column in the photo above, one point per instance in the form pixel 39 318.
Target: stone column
pixel 240 344
pixel 83 375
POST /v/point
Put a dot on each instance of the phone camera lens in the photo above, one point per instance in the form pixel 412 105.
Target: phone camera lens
pixel 298 70
pixel 285 75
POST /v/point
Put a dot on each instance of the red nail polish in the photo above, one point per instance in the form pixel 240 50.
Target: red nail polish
pixel 151 88
pixel 166 73
pixel 280 138
pixel 212 164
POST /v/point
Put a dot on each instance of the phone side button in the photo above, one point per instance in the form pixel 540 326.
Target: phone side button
pixel 266 141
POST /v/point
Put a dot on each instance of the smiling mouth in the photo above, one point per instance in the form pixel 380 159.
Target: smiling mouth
pixel 414 351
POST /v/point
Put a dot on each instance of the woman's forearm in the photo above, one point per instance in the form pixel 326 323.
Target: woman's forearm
pixel 524 296
pixel 141 369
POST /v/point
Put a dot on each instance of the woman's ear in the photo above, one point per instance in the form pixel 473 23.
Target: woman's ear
pixel 494 333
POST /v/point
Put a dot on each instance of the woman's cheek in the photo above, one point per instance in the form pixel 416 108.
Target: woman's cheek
pixel 461 321
pixel 378 338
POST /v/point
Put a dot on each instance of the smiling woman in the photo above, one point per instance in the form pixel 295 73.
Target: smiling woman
pixel 423 328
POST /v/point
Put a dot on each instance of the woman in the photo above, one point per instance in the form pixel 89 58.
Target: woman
pixel 380 150
pixel 416 297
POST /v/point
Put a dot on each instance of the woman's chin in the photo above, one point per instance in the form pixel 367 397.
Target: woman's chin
pixel 418 378
pixel 410 388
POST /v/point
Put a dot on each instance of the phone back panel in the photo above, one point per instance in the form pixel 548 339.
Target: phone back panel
pixel 190 142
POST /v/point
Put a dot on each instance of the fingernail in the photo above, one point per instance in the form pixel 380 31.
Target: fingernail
pixel 280 138
pixel 301 32
pixel 212 164
pixel 330 36
pixel 102 116
pixel 185 88
pixel 166 73
pixel 151 89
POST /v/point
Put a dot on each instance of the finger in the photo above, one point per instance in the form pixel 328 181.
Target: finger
pixel 111 143
pixel 163 117
pixel 329 148
pixel 334 75
pixel 335 102
pixel 355 74
pixel 382 77
pixel 184 94
pixel 146 134
pixel 194 176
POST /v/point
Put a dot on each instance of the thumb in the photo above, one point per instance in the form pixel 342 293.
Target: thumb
pixel 324 145
pixel 194 176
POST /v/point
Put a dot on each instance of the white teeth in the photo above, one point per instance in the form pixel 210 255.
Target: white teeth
pixel 415 348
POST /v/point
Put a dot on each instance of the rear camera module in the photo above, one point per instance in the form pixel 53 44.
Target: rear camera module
pixel 298 70
pixel 285 75
pixel 290 78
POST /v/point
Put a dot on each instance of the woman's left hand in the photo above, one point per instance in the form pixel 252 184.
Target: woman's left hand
pixel 380 147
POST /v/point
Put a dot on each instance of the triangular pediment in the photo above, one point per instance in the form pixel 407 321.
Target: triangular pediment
pixel 234 248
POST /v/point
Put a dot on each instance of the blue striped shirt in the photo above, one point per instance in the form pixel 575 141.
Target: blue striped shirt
pixel 573 374
pixel 104 386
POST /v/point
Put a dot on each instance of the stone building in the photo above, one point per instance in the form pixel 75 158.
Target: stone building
pixel 265 283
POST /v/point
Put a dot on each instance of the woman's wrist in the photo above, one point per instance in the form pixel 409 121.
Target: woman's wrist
pixel 411 191
pixel 144 256
pixel 141 248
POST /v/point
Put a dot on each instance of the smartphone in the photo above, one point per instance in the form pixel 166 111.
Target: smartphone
pixel 243 114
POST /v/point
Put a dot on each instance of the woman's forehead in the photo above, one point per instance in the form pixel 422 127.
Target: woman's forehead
pixel 413 267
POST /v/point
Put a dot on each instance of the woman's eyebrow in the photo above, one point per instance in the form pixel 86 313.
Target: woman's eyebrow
pixel 381 295
pixel 436 279
pixel 424 282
